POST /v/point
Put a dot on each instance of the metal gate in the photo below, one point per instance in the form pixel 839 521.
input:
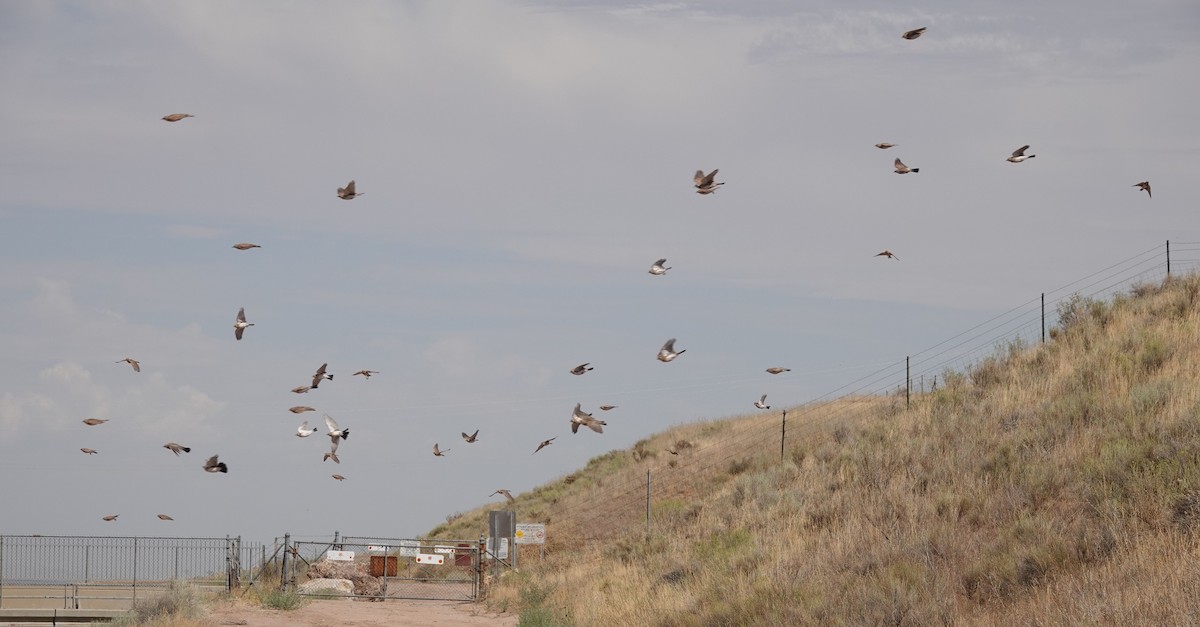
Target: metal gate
pixel 384 568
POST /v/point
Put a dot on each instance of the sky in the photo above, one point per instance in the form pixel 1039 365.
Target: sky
pixel 522 165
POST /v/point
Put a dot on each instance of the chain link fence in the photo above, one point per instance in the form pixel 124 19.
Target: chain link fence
pixel 89 572
pixel 383 568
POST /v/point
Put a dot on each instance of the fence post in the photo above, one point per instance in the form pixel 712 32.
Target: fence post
pixel 782 436
pixel 283 564
pixel 1 570
pixel 135 570
pixel 647 502
pixel 1168 258
pixel 907 384
pixel 1043 317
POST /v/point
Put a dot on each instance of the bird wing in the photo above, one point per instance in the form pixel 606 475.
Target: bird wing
pixel 900 164
pixel 237 332
pixel 669 346
pixel 574 426
pixel 303 427
pixel 699 178
pixel 241 317
pixel 1020 151
pixel 329 422
pixel 212 462
pixel 660 262
pixel 350 188
pixel 321 370
pixel 763 400
pixel 596 425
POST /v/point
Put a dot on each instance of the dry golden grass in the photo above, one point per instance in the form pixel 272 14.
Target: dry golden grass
pixel 1055 484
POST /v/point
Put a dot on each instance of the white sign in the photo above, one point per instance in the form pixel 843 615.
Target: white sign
pixel 501 551
pixel 426 558
pixel 409 548
pixel 443 549
pixel 531 533
pixel 377 549
pixel 340 556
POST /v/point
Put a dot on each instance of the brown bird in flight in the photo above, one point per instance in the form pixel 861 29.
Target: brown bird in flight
pixel 212 465
pixel 508 495
pixel 338 477
pixel 545 443
pixel 175 117
pixel 320 376
pixel 903 169
pixel 913 34
pixel 176 448
pixel 302 389
pixel 437 452
pixel 884 146
pixel 137 367
pixel 300 409
pixel 470 438
pixel 164 517
pixel 347 192
pixel 607 407
pixel 91 422
pixel 889 254
pixel 580 369
pixel 1019 155
pixel 1144 185
pixel 240 324
pixel 365 373
pixel 778 370
pixel 89 451
pixel 704 182
pixel 110 518
pixel 580 417
pixel 246 246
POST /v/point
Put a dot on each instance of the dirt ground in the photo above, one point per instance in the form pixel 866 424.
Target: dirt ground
pixel 348 613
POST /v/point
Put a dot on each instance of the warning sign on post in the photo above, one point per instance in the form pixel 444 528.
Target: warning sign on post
pixel 531 533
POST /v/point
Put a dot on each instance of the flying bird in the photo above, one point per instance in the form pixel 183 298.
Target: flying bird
pixel 1019 155
pixel 913 34
pixel 300 409
pixel 164 517
pixel 338 477
pixel 667 352
pixel 365 373
pixel 1144 185
pixel 347 192
pixel 885 145
pixel 545 443
pixel 302 389
pixel 778 370
pixel 470 438
pixel 704 182
pixel 137 366
pixel 320 376
pixel 212 465
pixel 240 324
pixel 334 431
pixel 607 407
pixel 89 451
pixel 580 369
pixel 889 254
pixel 109 518
pixel 659 267
pixel 175 117
pixel 903 169
pixel 176 448
pixel 762 403
pixel 303 431
pixel 246 246
pixel 332 455
pixel 91 422
pixel 508 495
pixel 437 452
pixel 580 417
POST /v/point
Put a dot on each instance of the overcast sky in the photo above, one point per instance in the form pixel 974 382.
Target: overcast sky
pixel 522 166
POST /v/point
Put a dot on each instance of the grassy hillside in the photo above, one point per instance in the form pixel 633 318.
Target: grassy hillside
pixel 1057 483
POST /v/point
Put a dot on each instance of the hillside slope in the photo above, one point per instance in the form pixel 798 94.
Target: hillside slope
pixel 1050 484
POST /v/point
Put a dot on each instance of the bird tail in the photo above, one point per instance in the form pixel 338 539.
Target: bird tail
pixel 330 377
pixel 221 467
pixel 345 433
pixel 915 170
pixel 185 450
pixel 1032 156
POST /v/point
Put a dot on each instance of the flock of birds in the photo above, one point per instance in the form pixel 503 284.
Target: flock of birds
pixel 705 184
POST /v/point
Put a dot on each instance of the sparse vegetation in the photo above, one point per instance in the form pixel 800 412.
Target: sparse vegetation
pixel 179 605
pixel 1022 491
